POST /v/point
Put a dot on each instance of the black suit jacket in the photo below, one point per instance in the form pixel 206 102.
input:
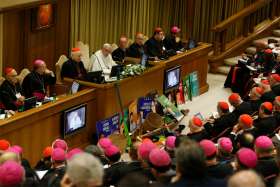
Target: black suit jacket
pixel 265 126
pixel 198 136
pixel 268 168
pixel 154 48
pixel 118 55
pixel 170 43
pixel 8 94
pixel 268 96
pixel 135 51
pixel 72 69
pixel 243 108
pixel 276 89
pixel 35 82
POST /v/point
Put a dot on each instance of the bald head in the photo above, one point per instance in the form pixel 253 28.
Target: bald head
pixel 246 140
pixel 123 42
pixel 245 178
pixel 139 38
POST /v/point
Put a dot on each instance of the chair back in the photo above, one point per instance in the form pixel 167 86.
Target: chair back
pixel 23 74
pixel 85 54
pixel 58 66
pixel 114 46
pixel 2 79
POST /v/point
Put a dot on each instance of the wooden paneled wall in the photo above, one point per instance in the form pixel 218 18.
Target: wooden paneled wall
pixel 21 45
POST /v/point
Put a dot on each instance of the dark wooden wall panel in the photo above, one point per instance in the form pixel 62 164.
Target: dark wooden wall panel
pixel 13 34
pixel 190 19
pixel 39 44
pixel 63 27
pixel 22 45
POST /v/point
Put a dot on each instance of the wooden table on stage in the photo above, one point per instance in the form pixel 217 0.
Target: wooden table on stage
pixel 195 59
pixel 130 88
pixel 152 79
pixel 36 128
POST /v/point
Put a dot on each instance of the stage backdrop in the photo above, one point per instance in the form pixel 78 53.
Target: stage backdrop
pixel 31 32
pixel 98 21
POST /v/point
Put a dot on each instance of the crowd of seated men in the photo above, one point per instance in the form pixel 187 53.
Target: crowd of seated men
pixel 265 61
pixel 14 91
pixel 237 148
pixel 156 48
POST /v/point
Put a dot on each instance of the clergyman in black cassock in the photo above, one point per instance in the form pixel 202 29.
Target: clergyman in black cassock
pixel 35 83
pixel 10 90
pixel 172 41
pixel 154 46
pixel 136 50
pixel 74 67
pixel 119 54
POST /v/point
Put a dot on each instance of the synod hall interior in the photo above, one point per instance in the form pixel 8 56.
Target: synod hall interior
pixel 139 93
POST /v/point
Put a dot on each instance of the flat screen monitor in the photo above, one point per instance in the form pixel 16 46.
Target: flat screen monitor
pixel 172 79
pixel 116 70
pixel 95 77
pixel 192 44
pixel 30 103
pixel 74 120
pixel 144 60
pixel 75 87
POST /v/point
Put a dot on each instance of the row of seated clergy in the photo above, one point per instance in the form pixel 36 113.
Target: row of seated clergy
pixel 104 59
pixel 13 94
pixel 155 47
pixel 100 61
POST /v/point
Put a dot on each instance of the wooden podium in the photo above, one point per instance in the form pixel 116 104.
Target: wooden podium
pixel 152 79
pixel 37 128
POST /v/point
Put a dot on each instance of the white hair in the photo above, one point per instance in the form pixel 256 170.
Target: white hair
pixel 75 53
pixel 107 46
pixel 9 156
pixel 246 178
pixel 84 169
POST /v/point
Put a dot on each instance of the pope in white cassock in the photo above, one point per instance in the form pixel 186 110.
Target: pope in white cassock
pixel 74 121
pixel 102 60
pixel 172 79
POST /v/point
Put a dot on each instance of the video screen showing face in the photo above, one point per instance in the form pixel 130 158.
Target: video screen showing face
pixel 75 120
pixel 173 78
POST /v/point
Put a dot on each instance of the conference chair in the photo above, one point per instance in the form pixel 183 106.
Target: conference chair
pixel 58 66
pixel 114 46
pixel 2 79
pixel 130 42
pixel 85 54
pixel 23 74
